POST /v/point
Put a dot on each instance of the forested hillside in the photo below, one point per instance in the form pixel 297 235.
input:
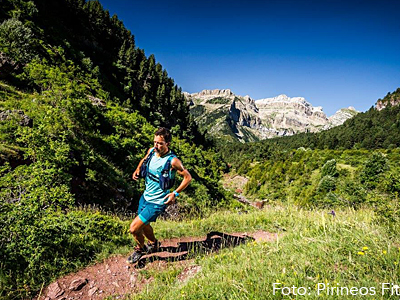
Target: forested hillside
pixel 91 99
pixel 86 39
pixel 79 104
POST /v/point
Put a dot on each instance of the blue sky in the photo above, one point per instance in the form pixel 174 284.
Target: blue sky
pixel 333 53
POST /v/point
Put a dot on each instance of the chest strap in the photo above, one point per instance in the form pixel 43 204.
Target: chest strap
pixel 153 177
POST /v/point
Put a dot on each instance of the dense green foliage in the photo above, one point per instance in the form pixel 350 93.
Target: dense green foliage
pixel 93 101
pixel 39 243
pixel 98 45
pixel 328 179
pixel 79 104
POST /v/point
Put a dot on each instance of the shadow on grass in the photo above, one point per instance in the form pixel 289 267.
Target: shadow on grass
pixel 189 249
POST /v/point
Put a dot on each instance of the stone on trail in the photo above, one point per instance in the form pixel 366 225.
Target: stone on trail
pixel 54 291
pixel 92 291
pixel 77 284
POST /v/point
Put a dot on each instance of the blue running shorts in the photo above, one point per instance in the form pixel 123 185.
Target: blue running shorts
pixel 148 211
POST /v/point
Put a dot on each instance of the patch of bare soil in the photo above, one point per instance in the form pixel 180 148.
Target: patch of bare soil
pixel 114 277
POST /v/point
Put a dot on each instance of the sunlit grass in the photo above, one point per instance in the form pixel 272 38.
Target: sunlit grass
pixel 315 250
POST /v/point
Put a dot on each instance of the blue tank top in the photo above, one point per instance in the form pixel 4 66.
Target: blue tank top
pixel 153 193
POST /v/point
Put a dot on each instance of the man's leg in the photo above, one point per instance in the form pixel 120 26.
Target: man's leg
pixel 140 228
pixel 136 229
pixel 149 233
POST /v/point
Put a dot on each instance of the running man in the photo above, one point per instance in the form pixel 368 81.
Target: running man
pixel 154 200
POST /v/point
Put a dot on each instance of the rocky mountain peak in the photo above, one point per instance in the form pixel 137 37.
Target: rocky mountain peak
pixel 283 98
pixel 217 93
pixel 248 119
pixel 340 117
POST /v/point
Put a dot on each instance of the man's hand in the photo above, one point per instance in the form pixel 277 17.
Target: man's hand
pixel 135 175
pixel 171 199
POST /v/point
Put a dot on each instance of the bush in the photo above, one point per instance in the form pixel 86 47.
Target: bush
pixel 329 168
pixel 37 245
pixel 326 184
pixel 372 169
pixel 387 211
pixel 356 192
pixel 391 182
pixel 15 41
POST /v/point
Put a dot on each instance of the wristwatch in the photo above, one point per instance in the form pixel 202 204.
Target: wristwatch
pixel 176 193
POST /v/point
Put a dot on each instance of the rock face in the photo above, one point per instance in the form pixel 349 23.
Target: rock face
pixel 221 112
pixel 282 115
pixel 381 104
pixel 340 116
pixel 244 113
pixel 391 99
pixel 24 120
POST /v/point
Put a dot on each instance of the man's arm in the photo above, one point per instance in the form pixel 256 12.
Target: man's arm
pixel 178 166
pixel 135 175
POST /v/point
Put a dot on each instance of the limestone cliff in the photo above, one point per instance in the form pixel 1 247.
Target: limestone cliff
pixel 221 112
pixel 340 116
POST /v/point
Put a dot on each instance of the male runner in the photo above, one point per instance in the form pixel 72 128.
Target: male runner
pixel 154 200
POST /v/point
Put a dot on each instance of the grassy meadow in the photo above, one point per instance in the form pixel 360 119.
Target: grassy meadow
pixel 316 255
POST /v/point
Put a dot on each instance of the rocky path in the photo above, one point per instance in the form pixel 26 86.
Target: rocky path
pixel 114 277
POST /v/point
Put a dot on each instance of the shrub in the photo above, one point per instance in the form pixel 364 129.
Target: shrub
pixel 15 40
pixel 37 245
pixel 329 168
pixel 372 168
pixel 387 211
pixel 391 182
pixel 326 184
pixel 356 192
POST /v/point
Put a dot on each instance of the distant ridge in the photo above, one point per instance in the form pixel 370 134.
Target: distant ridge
pixel 220 112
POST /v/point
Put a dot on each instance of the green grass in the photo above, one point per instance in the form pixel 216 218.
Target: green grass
pixel 349 250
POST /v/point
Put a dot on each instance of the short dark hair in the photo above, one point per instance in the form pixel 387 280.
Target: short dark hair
pixel 165 133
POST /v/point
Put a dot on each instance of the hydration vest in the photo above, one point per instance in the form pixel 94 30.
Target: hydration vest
pixel 165 180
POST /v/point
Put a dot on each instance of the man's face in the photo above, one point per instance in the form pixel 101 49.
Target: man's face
pixel 160 146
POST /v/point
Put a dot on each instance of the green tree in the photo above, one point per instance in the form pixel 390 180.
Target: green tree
pixel 372 168
pixel 16 41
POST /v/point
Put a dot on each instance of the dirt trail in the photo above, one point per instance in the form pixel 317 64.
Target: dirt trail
pixel 114 277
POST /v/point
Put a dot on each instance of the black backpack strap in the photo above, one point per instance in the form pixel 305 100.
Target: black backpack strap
pixel 144 166
pixel 148 159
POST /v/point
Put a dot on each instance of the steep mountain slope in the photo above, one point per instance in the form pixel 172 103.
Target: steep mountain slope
pixel 79 95
pixel 340 117
pixel 79 104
